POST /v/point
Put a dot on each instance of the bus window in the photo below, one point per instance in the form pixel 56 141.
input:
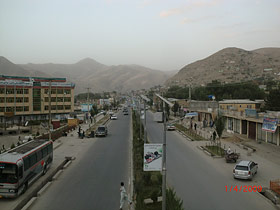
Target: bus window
pixel 50 148
pixel 26 162
pixel 8 173
pixel 20 172
pixel 33 159
pixel 45 151
pixel 39 155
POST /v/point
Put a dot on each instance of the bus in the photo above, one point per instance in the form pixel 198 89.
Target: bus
pixel 21 166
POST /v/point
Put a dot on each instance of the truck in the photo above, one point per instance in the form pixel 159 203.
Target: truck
pixel 158 117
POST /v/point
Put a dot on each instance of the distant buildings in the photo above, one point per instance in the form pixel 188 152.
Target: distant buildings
pixel 27 98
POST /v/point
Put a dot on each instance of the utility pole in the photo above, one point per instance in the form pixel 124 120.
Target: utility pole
pixel 190 92
pixel 164 152
pixel 50 115
pixel 88 104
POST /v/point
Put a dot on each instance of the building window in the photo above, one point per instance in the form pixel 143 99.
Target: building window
pixel 60 107
pixel 46 107
pixel 36 99
pixel 59 91
pixel 2 90
pixel 67 91
pixel 10 100
pixel 53 99
pixel 67 107
pixel 19 109
pixel 249 106
pixel 67 99
pixel 59 99
pixel 26 99
pixel 2 109
pixel 19 91
pixel 10 91
pixel 46 91
pixel 19 99
pixel 53 107
pixel 2 100
pixel 53 91
pixel 26 91
pixel 9 109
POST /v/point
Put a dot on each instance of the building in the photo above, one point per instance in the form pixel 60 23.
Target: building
pixel 27 98
pixel 239 105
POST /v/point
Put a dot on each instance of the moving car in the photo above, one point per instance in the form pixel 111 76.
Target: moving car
pixel 170 127
pixel 101 131
pixel 245 169
pixel 113 117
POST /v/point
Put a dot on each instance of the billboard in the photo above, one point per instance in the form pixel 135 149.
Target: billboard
pixel 152 157
pixel 84 107
pixel 270 124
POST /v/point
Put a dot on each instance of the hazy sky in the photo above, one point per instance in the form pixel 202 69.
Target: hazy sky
pixel 160 34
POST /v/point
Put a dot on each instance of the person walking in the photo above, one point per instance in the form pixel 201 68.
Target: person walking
pixel 124 196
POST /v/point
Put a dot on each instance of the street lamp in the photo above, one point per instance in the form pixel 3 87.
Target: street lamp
pixel 145 128
pixel 165 101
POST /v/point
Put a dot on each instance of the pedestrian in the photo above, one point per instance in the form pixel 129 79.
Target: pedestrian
pixel 124 196
pixel 83 133
pixel 195 126
pixel 19 139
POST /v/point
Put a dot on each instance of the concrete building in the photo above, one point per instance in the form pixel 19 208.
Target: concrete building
pixel 27 98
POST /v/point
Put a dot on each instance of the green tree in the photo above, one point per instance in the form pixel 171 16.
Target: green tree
pixel 175 108
pixel 220 125
pixel 173 202
pixel 273 100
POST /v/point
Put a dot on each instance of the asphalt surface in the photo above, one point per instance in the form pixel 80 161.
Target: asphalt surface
pixel 92 181
pixel 198 179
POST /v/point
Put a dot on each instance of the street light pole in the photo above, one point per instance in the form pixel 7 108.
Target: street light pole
pixel 145 121
pixel 164 161
pixel 164 152
pixel 50 115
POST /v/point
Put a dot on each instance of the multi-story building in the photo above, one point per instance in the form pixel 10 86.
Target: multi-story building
pixel 27 98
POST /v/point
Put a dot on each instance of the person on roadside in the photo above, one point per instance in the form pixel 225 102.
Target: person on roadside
pixel 229 151
pixel 214 135
pixel 124 196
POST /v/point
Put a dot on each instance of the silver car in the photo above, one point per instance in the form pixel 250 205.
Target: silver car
pixel 245 169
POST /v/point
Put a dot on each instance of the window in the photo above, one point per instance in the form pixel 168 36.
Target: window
pixel 46 99
pixel 19 109
pixel 26 162
pixel 53 99
pixel 9 109
pixel 19 91
pixel 59 91
pixel 2 100
pixel 26 108
pixel 20 172
pixel 10 100
pixel 53 107
pixel 59 99
pixel 50 148
pixel 67 91
pixel 60 107
pixel 33 159
pixel 2 109
pixel 45 151
pixel 26 99
pixel 242 168
pixel 39 155
pixel 26 91
pixel 19 99
pixel 46 107
pixel 46 91
pixel 10 91
pixel 67 107
pixel 249 106
pixel 53 91
pixel 2 90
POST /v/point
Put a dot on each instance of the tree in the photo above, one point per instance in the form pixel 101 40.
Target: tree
pixel 172 200
pixel 175 108
pixel 220 125
pixel 273 100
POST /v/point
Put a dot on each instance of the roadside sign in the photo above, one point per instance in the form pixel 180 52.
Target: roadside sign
pixel 152 157
pixel 270 124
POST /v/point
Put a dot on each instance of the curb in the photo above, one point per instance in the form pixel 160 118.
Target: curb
pixel 30 203
pixel 57 145
pixel 43 189
pixel 67 164
pixel 57 174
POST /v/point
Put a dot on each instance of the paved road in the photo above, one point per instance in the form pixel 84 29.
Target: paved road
pixel 200 180
pixel 92 181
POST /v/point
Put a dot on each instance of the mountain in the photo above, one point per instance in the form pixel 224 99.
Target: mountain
pixel 100 77
pixel 11 69
pixel 231 65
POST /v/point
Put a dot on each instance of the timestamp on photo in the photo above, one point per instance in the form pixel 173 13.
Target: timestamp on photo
pixel 243 188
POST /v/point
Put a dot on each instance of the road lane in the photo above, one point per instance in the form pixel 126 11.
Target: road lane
pixel 200 180
pixel 93 181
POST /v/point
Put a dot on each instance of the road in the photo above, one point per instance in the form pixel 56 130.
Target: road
pixel 199 179
pixel 93 180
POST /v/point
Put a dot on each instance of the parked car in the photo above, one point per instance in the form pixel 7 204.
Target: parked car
pixel 171 127
pixel 101 131
pixel 125 113
pixel 245 170
pixel 113 117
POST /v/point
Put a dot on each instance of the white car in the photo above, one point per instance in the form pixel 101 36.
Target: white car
pixel 171 127
pixel 113 117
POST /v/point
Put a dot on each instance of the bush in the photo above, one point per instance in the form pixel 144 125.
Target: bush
pixel 172 201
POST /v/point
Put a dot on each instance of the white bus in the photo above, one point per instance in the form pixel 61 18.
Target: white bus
pixel 21 166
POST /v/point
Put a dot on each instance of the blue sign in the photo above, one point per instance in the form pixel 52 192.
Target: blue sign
pixel 191 114
pixel 251 113
pixel 270 124
pixel 85 107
